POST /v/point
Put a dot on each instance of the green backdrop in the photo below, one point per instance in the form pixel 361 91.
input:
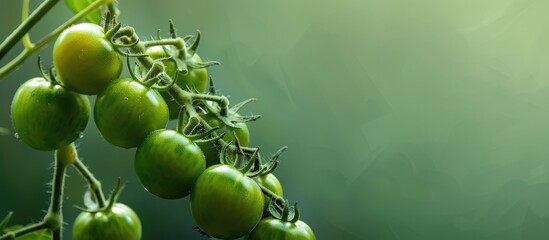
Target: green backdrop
pixel 405 119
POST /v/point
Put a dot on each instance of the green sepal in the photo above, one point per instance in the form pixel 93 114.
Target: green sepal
pixel 5 222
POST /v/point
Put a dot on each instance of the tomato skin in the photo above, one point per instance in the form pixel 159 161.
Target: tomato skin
pixel 269 181
pixel 275 229
pixel 196 80
pixel 47 116
pixel 210 150
pixel 85 61
pixel 168 164
pixel 225 203
pixel 127 111
pixel 120 222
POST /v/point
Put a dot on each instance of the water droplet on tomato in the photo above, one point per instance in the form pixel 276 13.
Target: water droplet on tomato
pixel 80 135
pixel 16 135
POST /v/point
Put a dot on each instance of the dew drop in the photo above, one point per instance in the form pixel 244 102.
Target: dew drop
pixel 16 135
pixel 126 98
pixel 80 135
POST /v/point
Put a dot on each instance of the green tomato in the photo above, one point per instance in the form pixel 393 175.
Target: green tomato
pixel 85 60
pixel 270 182
pixel 168 164
pixel 196 80
pixel 275 229
pixel 210 149
pixel 225 203
pixel 127 111
pixel 47 116
pixel 119 222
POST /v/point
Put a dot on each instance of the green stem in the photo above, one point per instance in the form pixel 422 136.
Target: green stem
pixel 27 52
pixel 22 231
pixel 275 198
pixel 26 39
pixel 64 156
pixel 176 42
pixel 25 26
pixel 221 100
pixel 94 184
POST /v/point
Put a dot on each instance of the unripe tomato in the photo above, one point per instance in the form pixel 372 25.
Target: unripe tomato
pixel 168 164
pixel 210 150
pixel 127 111
pixel 85 60
pixel 119 222
pixel 47 116
pixel 196 80
pixel 225 203
pixel 275 229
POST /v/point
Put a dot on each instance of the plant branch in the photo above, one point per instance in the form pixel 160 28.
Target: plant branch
pixel 94 184
pixel 22 231
pixel 176 42
pixel 64 156
pixel 26 39
pixel 26 26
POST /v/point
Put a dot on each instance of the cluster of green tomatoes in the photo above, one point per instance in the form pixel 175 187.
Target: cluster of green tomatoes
pixel 233 192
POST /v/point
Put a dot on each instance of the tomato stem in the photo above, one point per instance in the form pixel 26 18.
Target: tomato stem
pixel 26 26
pixel 176 42
pixel 94 184
pixel 221 100
pixel 22 231
pixel 275 198
pixel 64 156
pixel 26 39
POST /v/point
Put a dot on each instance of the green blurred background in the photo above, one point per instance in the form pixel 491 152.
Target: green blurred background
pixel 405 119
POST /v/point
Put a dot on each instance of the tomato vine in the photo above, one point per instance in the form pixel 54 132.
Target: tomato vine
pixel 207 156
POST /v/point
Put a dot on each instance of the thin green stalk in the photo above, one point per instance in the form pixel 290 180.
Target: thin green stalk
pixel 64 157
pixel 27 52
pixel 26 39
pixel 22 231
pixel 221 100
pixel 53 220
pixel 176 42
pixel 94 184
pixel 25 26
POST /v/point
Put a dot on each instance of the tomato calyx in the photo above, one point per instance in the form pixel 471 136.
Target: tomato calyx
pixel 93 206
pixel 154 77
pixel 248 163
pixel 286 214
pixel 50 76
pixel 182 53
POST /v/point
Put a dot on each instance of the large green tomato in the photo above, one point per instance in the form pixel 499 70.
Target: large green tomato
pixel 196 80
pixel 47 116
pixel 119 222
pixel 225 203
pixel 127 111
pixel 168 164
pixel 275 229
pixel 211 150
pixel 85 60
